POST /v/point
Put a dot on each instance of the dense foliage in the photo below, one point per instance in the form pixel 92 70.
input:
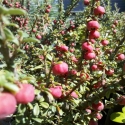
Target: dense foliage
pixel 61 67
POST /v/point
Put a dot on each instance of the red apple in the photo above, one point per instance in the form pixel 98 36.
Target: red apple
pixel 7 104
pixel 26 94
pixel 99 10
pixel 104 42
pixel 92 122
pixel 120 57
pixel 87 46
pixel 56 91
pixel 60 68
pixel 86 2
pixel 93 25
pixel 98 106
pixel 94 67
pixel 89 55
pixel 74 95
pixel 94 35
pixel 38 36
pixel 109 72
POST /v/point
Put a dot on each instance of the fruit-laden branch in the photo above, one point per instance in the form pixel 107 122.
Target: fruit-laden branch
pixel 112 88
pixel 117 48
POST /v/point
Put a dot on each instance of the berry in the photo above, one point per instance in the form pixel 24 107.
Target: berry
pixel 93 25
pixel 60 68
pixel 98 106
pixel 56 91
pixel 26 94
pixel 7 104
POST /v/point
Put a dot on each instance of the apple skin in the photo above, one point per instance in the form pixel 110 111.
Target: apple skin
pixel 98 107
pixel 99 10
pixel 89 55
pixel 7 104
pixel 109 72
pixel 56 91
pixel 92 122
pixel 26 94
pixel 94 35
pixel 120 57
pixel 93 25
pixel 104 42
pixel 86 2
pixel 60 68
pixel 87 46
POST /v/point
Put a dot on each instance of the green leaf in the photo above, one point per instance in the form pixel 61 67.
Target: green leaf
pixel 3 10
pixel 15 11
pixel 118 117
pixel 37 120
pixel 123 109
pixel 49 57
pixel 30 39
pixel 9 35
pixel 44 105
pixel 11 87
pixel 36 109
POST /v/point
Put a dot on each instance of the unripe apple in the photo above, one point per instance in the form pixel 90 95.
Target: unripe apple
pixel 94 67
pixel 98 106
pixel 56 91
pixel 89 55
pixel 92 122
pixel 7 104
pixel 26 94
pixel 120 57
pixel 94 35
pixel 60 68
pixel 86 2
pixel 93 25
pixel 87 46
pixel 99 10
pixel 104 42
pixel 109 72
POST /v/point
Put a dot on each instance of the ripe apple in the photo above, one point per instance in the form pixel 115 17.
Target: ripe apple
pixel 60 68
pixel 99 11
pixel 94 35
pixel 98 106
pixel 56 91
pixel 38 36
pixel 89 55
pixel 87 46
pixel 86 2
pixel 7 104
pixel 26 94
pixel 47 10
pixel 94 67
pixel 63 48
pixel 120 57
pixel 74 95
pixel 93 25
pixel 104 42
pixel 98 115
pixel 109 72
pixel 92 122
